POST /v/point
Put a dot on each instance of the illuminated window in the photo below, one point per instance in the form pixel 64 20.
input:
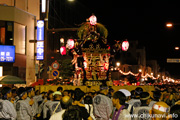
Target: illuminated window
pixel 20 38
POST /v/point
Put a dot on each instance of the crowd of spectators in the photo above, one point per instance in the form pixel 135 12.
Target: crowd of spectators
pixel 27 104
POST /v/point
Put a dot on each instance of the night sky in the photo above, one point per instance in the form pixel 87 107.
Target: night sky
pixel 124 19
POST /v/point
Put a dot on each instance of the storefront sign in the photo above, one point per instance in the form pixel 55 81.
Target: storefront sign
pixel 40 50
pixel 7 53
pixel 40 30
pixel 40 40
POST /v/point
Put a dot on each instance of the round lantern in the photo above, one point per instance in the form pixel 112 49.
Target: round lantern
pixel 70 44
pixel 125 45
pixel 93 20
pixel 63 50
pixel 62 40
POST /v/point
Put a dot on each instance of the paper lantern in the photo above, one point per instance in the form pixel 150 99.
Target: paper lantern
pixel 62 40
pixel 93 20
pixel 63 50
pixel 125 45
pixel 70 44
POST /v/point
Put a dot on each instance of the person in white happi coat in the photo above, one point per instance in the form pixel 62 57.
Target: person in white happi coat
pixel 7 110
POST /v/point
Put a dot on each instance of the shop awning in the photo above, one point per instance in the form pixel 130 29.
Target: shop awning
pixel 8 79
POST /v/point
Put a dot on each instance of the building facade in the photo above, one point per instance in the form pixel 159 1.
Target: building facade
pixel 17 26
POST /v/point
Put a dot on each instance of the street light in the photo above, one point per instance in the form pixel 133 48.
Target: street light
pixel 71 0
pixel 176 48
pixel 169 25
pixel 62 40
pixel 140 70
pixel 118 64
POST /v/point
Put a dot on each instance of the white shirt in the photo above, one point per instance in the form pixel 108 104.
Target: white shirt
pixel 45 108
pixel 7 110
pixel 135 102
pixel 24 110
pixel 58 116
pixel 152 103
pixel 103 107
pixel 142 113
pixel 91 112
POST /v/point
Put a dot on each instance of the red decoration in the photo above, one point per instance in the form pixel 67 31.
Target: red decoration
pixel 70 44
pixel 139 76
pixel 106 66
pixel 128 83
pixel 63 50
pixel 125 45
pixel 138 83
pixel 109 47
pixel 116 82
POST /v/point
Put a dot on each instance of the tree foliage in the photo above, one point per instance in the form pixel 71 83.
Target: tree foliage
pixel 85 29
pixel 66 68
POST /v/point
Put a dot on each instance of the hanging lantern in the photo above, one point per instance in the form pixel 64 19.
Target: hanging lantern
pixel 93 20
pixel 63 50
pixel 70 44
pixel 62 40
pixel 125 45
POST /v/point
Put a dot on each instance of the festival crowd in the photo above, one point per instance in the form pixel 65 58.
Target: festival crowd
pixel 106 104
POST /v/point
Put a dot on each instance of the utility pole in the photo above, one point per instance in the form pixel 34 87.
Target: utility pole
pixel 45 75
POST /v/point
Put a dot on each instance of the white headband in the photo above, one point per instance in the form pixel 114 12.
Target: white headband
pixel 161 108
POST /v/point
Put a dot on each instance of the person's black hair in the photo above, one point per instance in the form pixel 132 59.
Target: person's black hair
pixel 175 109
pixel 59 88
pixel 43 92
pixel 138 91
pixel 119 95
pixel 77 89
pixel 78 94
pixel 88 100
pixel 65 105
pixel 133 94
pixel 13 90
pixel 21 91
pixel 29 89
pixel 142 96
pixel 4 92
pixel 98 92
pixel 72 113
pixel 156 95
